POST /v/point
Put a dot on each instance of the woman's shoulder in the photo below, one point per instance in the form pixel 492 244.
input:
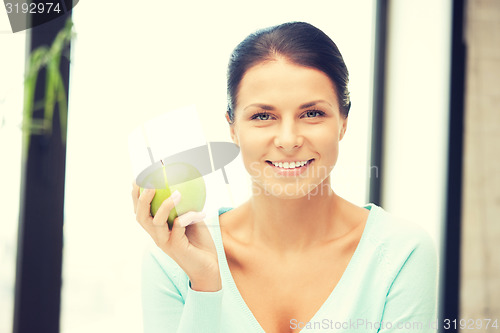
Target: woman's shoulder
pixel 396 238
pixel 386 227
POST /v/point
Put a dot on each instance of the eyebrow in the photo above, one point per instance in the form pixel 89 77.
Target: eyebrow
pixel 303 106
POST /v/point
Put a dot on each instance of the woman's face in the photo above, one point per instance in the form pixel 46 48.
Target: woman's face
pixel 286 112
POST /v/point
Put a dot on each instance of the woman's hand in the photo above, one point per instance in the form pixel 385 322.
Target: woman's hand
pixel 189 244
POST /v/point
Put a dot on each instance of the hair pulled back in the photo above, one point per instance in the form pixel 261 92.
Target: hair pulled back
pixel 299 43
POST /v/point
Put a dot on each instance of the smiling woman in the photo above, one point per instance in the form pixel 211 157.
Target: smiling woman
pixel 291 94
pixel 296 256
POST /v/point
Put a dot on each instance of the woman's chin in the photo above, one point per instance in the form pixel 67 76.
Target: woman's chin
pixel 287 191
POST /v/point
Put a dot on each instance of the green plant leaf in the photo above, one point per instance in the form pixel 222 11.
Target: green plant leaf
pixel 55 94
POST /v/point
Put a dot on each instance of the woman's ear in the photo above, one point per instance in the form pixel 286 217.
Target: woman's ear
pixel 234 137
pixel 343 128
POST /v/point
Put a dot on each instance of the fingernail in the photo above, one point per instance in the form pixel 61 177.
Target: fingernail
pixel 176 197
pixel 198 217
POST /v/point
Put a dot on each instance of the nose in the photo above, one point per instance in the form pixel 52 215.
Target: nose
pixel 288 137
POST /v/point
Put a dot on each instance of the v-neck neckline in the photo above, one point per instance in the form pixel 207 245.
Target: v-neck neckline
pixel 226 271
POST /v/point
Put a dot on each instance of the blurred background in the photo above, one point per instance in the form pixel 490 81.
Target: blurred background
pixel 421 142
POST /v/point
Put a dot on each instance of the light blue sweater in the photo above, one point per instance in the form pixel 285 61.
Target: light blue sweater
pixel 390 285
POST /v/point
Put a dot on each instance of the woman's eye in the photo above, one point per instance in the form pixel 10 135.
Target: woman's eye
pixel 261 116
pixel 312 113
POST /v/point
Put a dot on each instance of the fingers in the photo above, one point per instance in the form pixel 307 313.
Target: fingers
pixel 157 226
pixel 179 230
pixel 161 216
pixel 190 218
pixel 143 206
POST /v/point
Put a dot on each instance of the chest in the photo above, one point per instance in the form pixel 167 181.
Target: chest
pixel 282 293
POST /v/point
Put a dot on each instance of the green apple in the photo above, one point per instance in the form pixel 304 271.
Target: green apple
pixel 184 178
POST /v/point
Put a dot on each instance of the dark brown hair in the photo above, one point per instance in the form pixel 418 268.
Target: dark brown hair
pixel 298 42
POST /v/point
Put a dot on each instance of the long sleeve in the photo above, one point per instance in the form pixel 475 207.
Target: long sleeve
pixel 170 305
pixel 411 302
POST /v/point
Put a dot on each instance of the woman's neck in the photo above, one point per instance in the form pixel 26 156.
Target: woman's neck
pixel 289 226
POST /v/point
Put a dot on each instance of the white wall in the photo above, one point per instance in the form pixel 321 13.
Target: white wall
pixel 417 100
pixel 12 59
pixel 417 106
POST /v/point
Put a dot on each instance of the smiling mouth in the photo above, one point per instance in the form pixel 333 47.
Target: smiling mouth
pixel 306 164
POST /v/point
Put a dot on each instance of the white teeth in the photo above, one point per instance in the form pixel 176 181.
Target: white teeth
pixel 291 165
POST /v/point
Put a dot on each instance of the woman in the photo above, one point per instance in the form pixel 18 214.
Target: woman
pixel 295 256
